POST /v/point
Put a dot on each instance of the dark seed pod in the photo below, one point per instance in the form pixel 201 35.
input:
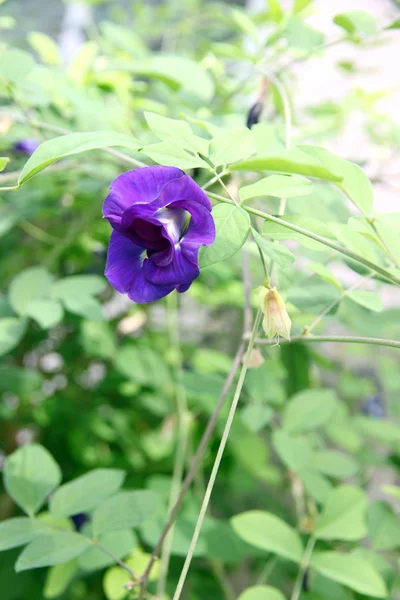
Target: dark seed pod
pixel 254 114
pixel 305 585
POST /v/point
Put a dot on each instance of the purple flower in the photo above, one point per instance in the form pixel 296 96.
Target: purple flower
pixel 160 218
pixel 26 146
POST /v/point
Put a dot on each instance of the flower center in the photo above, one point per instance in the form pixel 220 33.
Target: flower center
pixel 175 222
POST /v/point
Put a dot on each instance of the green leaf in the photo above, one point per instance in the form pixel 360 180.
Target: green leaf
pixel 334 463
pixel 388 226
pixel 15 65
pixel 11 333
pixel 385 431
pixel 276 11
pixel 3 162
pixel 286 186
pixel 343 517
pixel 261 592
pixel 124 510
pixel 268 532
pixel 98 339
pixel 176 71
pixel 31 473
pixel 18 531
pixel 294 452
pixel 290 161
pixel 231 145
pixel 299 35
pixel 86 492
pixel 300 5
pixel 383 527
pixel 73 143
pixel 394 25
pixel 232 225
pixel 58 578
pixel 77 294
pixel 354 241
pixel 277 253
pixel 175 131
pixel 352 571
pixel 246 24
pixel 31 284
pixel 353 181
pixel 20 380
pixel 222 543
pixel 46 48
pixel 45 312
pixel 51 549
pixel 149 367
pixel 325 274
pixel 357 22
pixel 166 153
pixel 119 543
pixel 370 300
pixel 256 416
pixel 309 410
pixel 114 583
pixel 313 296
pixel 315 484
pixel 392 490
pixel 280 232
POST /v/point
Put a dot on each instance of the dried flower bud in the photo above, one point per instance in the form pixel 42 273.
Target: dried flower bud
pixel 256 359
pixel 254 114
pixel 276 320
pixel 5 124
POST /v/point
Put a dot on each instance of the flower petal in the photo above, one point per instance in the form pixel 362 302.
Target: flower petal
pixel 201 230
pixel 179 271
pixel 183 288
pixel 140 186
pixel 182 188
pixel 124 270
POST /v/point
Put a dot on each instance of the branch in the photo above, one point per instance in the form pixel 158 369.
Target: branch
pixel 193 467
pixel 314 236
pixel 218 459
pixel 332 338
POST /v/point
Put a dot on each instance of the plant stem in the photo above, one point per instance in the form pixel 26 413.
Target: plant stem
pixel 218 459
pixel 37 233
pixel 382 241
pixel 314 236
pixel 193 467
pixel 333 338
pixel 215 178
pixel 116 560
pixel 303 568
pixel 267 570
pixel 182 441
pixel 61 131
pixel 219 573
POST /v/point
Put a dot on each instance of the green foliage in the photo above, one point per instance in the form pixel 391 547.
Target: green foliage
pixel 103 403
pixel 85 492
pixel 348 569
pixel 269 533
pixel 232 225
pixel 30 475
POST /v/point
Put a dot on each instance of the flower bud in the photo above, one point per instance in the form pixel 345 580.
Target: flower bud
pixel 276 320
pixel 256 359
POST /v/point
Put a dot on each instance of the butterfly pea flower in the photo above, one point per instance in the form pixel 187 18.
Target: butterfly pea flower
pixel 160 219
pixel 26 146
